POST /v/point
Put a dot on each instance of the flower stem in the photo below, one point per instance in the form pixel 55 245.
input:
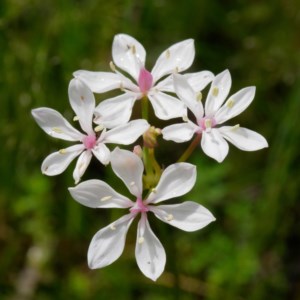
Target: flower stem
pixel 187 153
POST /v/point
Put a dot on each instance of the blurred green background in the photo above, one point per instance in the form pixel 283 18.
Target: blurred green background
pixel 252 251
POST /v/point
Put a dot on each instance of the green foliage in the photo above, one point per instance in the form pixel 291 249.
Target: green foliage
pixel 251 251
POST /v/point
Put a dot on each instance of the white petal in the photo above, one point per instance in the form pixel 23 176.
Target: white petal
pixel 128 54
pixel 149 252
pixel 198 81
pixel 54 124
pixel 179 133
pixel 81 165
pixel 243 138
pixel 167 107
pixel 98 194
pixel 214 145
pixel 236 104
pixel 126 134
pixel 175 59
pixel 176 180
pixel 99 82
pixel 108 244
pixel 115 111
pixel 186 93
pixel 102 153
pixel 218 92
pixel 83 103
pixel 57 162
pixel 188 216
pixel 129 168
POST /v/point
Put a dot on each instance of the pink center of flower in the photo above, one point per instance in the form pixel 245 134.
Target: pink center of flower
pixel 206 123
pixel 139 207
pixel 89 141
pixel 145 81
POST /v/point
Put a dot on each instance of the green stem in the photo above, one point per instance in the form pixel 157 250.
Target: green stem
pixel 187 153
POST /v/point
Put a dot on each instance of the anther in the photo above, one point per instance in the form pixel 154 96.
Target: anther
pixel 168 53
pixel 215 91
pixel 112 66
pixel 235 127
pixel 199 96
pixel 133 49
pixel 141 240
pixel 132 183
pixel 185 119
pixel 230 103
pixel 76 118
pixel 57 130
pixel 105 198
pixel 112 227
pixel 207 123
pixel 62 151
pixel 154 190
pixel 169 217
pixel 98 128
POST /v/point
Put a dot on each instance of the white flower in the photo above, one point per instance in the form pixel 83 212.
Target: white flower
pixel 83 103
pixel 129 56
pixel 213 140
pixel 107 245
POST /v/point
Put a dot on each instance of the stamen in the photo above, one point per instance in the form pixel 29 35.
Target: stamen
pixel 154 190
pixel 112 66
pixel 230 103
pixel 105 198
pixel 199 96
pixel 98 128
pixel 62 151
pixel 169 217
pixel 185 118
pixel 57 130
pixel 215 91
pixel 208 123
pixel 76 118
pixel 112 227
pixel 133 49
pixel 121 86
pixel 235 127
pixel 168 53
pixel 141 240
pixel 176 70
pixel 132 183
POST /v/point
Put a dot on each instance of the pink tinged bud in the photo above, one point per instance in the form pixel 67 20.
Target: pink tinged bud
pixel 145 81
pixel 89 141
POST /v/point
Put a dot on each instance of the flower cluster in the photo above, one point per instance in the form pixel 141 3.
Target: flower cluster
pixel 172 95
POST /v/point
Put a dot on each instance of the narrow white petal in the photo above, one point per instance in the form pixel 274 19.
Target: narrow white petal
pixel 126 134
pixel 188 216
pixel 149 252
pixel 128 54
pixel 83 103
pixel 186 93
pixel 167 107
pixel 214 145
pixel 54 124
pixel 108 244
pixel 99 82
pixel 243 138
pixel 115 111
pixel 218 92
pixel 236 104
pixel 198 81
pixel 175 59
pixel 81 165
pixel 57 162
pixel 129 168
pixel 98 194
pixel 179 133
pixel 102 153
pixel 176 180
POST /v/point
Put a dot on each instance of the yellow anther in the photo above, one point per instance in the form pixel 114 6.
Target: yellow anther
pixel 141 240
pixel 105 198
pixel 169 217
pixel 208 123
pixel 133 49
pixel 154 190
pixel 199 96
pixel 121 86
pixel 99 128
pixel 168 53
pixel 185 119
pixel 176 70
pixel 229 103
pixel 112 227
pixel 62 151
pixel 57 130
pixel 215 91
pixel 76 118
pixel 235 127
pixel 112 66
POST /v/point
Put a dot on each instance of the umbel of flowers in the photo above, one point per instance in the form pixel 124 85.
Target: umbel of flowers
pixel 172 94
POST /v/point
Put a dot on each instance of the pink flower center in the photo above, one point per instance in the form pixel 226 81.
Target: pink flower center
pixel 89 141
pixel 139 207
pixel 206 123
pixel 145 81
